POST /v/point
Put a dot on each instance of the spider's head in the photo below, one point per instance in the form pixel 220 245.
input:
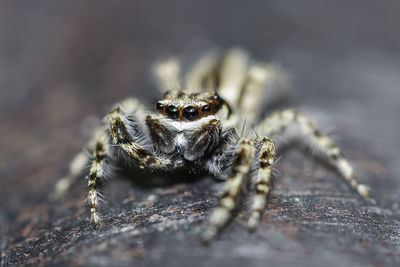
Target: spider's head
pixel 187 124
pixel 179 106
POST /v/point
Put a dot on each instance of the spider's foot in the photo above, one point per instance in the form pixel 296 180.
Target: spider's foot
pixel 95 220
pixel 371 201
pixel 365 192
pixel 209 234
pixel 60 190
pixel 254 221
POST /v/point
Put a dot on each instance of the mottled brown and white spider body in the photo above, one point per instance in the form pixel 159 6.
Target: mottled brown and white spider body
pixel 195 125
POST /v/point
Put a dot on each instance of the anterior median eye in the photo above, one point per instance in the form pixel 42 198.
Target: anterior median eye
pixel 190 113
pixel 172 112
pixel 206 109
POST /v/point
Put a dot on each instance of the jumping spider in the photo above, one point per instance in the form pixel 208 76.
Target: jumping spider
pixel 195 125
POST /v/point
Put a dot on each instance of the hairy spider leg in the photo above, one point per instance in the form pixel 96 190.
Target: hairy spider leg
pixel 79 164
pixel 168 75
pixel 290 125
pixel 241 167
pixel 203 75
pixel 262 82
pixel 96 176
pixel 238 84
pixel 147 140
pixel 122 136
pixel 76 167
pixel 232 75
pixel 262 180
pixel 121 131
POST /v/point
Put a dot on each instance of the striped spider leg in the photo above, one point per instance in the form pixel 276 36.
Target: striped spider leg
pixel 244 91
pixel 123 133
pixel 289 126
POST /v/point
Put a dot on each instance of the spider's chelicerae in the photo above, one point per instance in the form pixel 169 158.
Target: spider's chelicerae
pixel 195 125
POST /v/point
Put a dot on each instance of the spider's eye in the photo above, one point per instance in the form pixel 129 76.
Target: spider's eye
pixel 159 106
pixel 190 113
pixel 172 112
pixel 216 97
pixel 206 109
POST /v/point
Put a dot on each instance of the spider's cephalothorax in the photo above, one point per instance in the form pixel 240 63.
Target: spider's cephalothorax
pixel 195 125
pixel 188 125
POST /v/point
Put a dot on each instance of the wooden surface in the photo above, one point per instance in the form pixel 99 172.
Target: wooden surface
pixel 63 65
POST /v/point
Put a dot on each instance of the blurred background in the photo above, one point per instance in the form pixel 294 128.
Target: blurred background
pixel 64 62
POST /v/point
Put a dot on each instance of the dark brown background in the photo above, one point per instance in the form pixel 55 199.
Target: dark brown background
pixel 64 62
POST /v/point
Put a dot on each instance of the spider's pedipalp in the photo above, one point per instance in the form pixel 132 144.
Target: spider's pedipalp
pixel 162 138
pixel 244 158
pixel 204 140
pixel 222 159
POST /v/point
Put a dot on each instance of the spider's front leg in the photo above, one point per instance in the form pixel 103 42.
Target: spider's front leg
pixel 126 137
pixel 124 132
pixel 244 157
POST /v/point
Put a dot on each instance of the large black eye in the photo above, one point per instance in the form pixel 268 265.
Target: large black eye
pixel 159 106
pixel 172 112
pixel 206 109
pixel 190 113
